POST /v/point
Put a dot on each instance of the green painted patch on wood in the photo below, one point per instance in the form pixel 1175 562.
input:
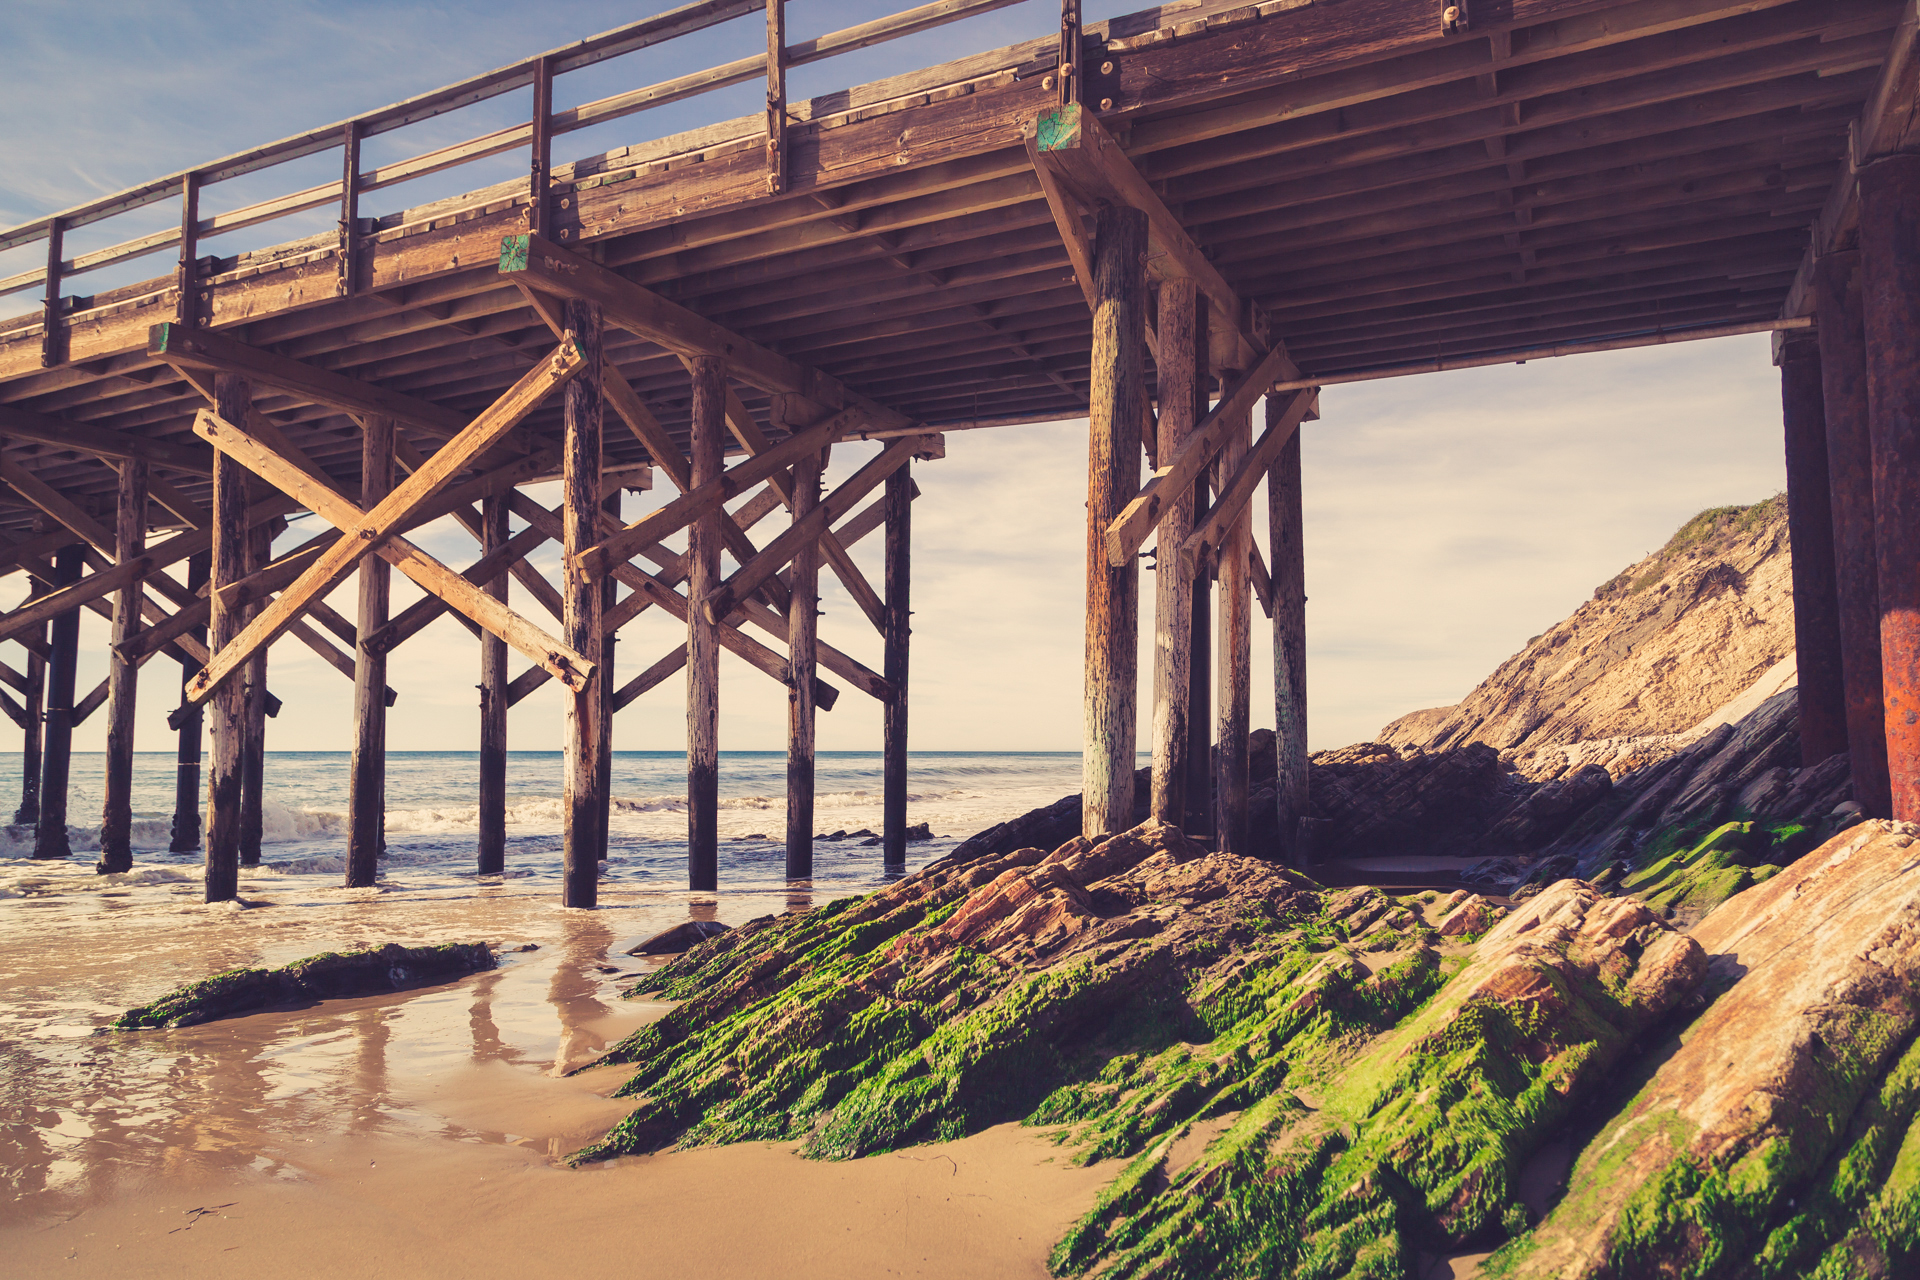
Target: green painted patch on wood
pixel 1058 130
pixel 157 338
pixel 513 253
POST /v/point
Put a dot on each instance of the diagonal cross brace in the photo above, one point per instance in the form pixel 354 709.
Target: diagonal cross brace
pixel 569 667
pixel 366 530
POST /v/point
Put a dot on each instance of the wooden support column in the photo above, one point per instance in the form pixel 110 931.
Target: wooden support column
pixel 1181 375
pixel 893 829
pixel 130 540
pixel 609 637
pixel 253 751
pixel 1843 376
pixel 803 635
pixel 33 699
pixel 188 720
pixel 1199 823
pixel 1235 634
pixel 1113 477
pixel 703 646
pixel 581 600
pixel 234 397
pixel 56 759
pixel 367 782
pixel 1816 606
pixel 493 703
pixel 1890 260
pixel 1287 562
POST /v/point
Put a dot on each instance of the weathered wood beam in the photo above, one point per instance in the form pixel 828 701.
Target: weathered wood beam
pixel 415 617
pixel 583 779
pixel 367 783
pixel 1129 529
pixel 803 638
pixel 722 599
pixel 1234 630
pixel 92 702
pixel 676 515
pixel 1212 534
pixel 367 532
pixel 232 530
pixel 429 573
pixel 654 676
pixel 130 537
pixel 492 816
pixel 703 650
pixel 24 424
pixel 1289 613
pixel 1181 370
pixel 899 570
pixel 218 353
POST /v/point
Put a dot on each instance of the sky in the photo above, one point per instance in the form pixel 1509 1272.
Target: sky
pixel 1449 517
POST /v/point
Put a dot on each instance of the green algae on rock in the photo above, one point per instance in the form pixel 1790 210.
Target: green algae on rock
pixel 327 976
pixel 1781 1136
pixel 1694 875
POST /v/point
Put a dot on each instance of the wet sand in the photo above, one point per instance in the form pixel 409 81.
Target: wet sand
pixel 422 1132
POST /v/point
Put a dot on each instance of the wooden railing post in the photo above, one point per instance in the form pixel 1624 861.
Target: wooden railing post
pixel 50 834
pixel 1113 477
pixel 349 282
pixel 493 704
pixel 582 598
pixel 776 96
pixel 1067 71
pixel 366 788
pixel 187 282
pixel 53 336
pixel 189 719
pixel 233 397
pixel 703 648
pixel 899 629
pixel 541 164
pixel 130 541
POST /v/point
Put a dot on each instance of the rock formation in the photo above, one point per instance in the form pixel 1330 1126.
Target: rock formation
pixel 331 975
pixel 1312 1082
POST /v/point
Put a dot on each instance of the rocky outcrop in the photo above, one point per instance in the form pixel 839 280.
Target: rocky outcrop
pixel 323 977
pixel 1308 1082
pixel 1658 649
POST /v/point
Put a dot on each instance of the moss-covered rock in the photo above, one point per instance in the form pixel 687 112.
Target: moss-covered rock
pixel 1691 874
pixel 327 976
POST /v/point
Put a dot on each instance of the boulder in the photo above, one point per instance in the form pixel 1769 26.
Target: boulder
pixel 329 976
pixel 679 938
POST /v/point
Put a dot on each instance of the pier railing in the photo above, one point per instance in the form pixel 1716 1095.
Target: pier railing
pixel 536 134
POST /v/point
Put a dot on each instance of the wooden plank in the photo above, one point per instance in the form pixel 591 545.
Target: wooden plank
pixel 217 352
pixel 654 676
pixel 1118 401
pixel 803 637
pixel 92 702
pixel 130 538
pixel 1181 374
pixel 725 597
pixel 367 786
pixel 429 573
pixel 703 651
pixel 366 533
pixel 24 424
pixel 893 746
pixel 495 563
pixel 1249 469
pixel 584 600
pixel 1131 526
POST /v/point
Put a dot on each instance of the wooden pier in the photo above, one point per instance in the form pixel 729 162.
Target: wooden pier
pixel 1157 223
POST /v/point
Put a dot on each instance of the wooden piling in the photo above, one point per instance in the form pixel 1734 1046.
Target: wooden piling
pixel 1179 372
pixel 1890 258
pixel 233 397
pixel 703 648
pixel 1199 821
pixel 1113 477
pixel 1816 605
pixel 582 597
pixel 803 634
pixel 609 686
pixel 366 787
pixel 493 704
pixel 33 700
pixel 1235 636
pixel 253 751
pixel 56 758
pixel 130 541
pixel 893 785
pixel 1843 376
pixel 1286 562
pixel 188 721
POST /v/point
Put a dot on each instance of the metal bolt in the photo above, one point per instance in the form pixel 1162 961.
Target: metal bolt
pixel 1046 82
pixel 1106 104
pixel 1106 68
